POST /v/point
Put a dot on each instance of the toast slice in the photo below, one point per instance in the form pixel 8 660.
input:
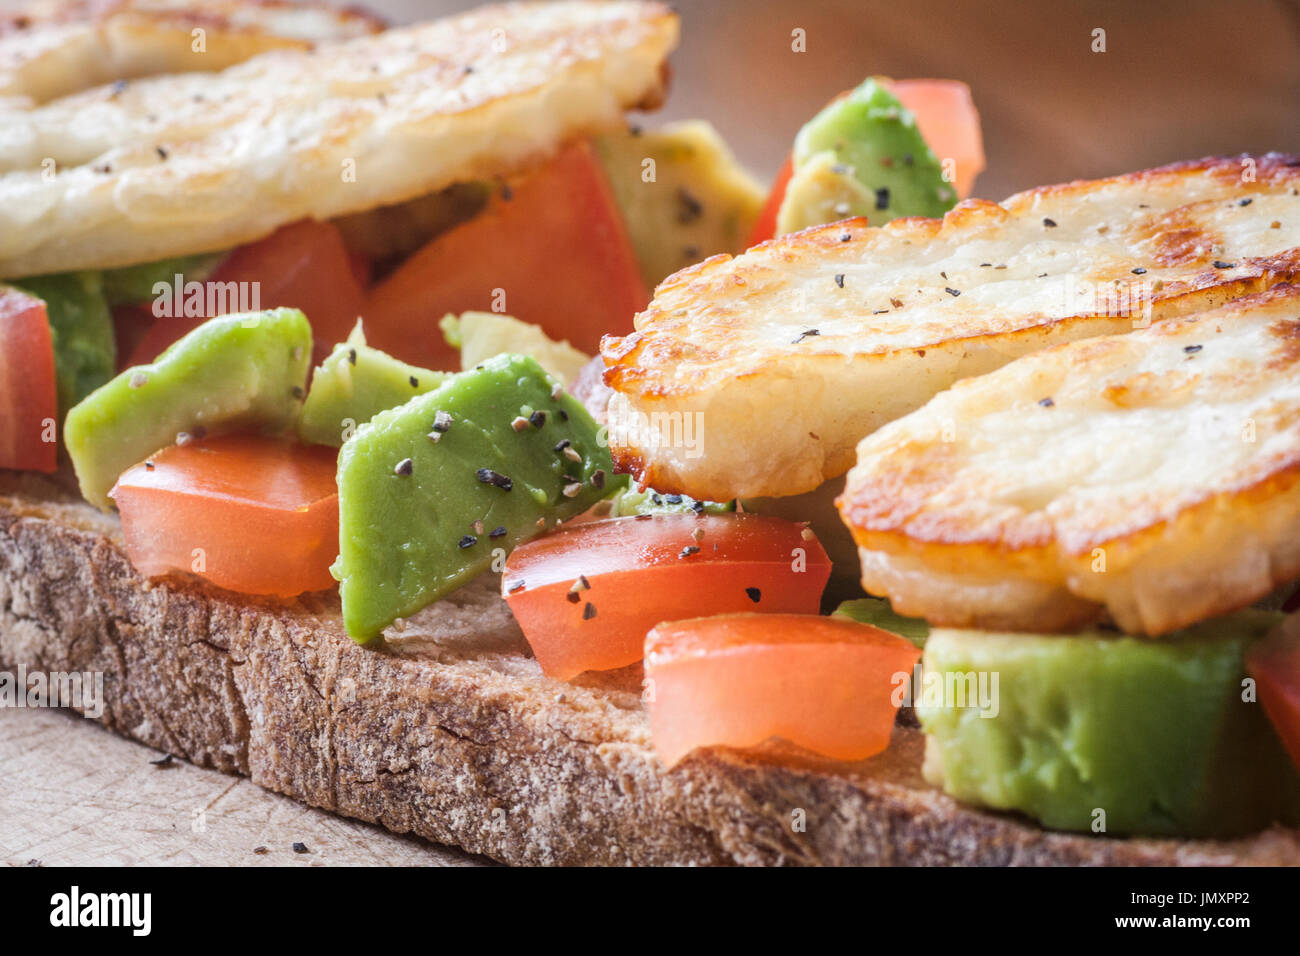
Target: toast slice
pixel 451 732
pixel 757 375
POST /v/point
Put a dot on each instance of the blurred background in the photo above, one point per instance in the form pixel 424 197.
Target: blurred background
pixel 1179 79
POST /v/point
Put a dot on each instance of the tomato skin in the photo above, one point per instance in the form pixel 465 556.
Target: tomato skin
pixel 28 398
pixel 557 247
pixel 303 265
pixel 638 576
pixel 823 683
pixel 1274 663
pixel 263 511
pixel 765 224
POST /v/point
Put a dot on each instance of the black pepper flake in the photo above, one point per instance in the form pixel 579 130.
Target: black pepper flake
pixel 352 356
pixel 839 280
pixel 643 517
pixel 442 421
pixel 689 550
pixel 148 466
pixel 1139 271
pixel 298 392
pixel 1245 202
pixel 1049 223
pixel 490 477
pixel 163 762
pixel 564 416
pixel 882 197
pixel 415 382
pixel 986 265
pixel 162 153
pixel 806 333
pixel 261 850
pixel 1220 264
pixel 573 597
pixel 562 444
pixel 589 611
pixel 697 507
pixel 300 848
pixel 845 237
pixel 908 159
pixel 1192 349
pixel 880 312
pixel 654 497
pixel 517 586
pixel 537 419
pixel 1047 402
pixel 952 292
pixel 598 478
pixel 507 193
pixel 673 499
pixel 688 207
pixel 467 542
pixel 404 467
pixel 755 594
pixel 498 532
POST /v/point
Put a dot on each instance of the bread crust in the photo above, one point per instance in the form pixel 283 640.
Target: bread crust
pixel 451 732
pixel 200 162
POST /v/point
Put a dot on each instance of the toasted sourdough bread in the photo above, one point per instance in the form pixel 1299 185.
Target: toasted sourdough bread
pixel 452 733
pixel 784 357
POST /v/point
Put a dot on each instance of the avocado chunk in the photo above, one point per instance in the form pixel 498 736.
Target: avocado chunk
pixel 481 335
pixel 85 348
pixel 698 202
pixel 878 612
pixel 354 384
pixel 630 502
pixel 863 155
pixel 247 370
pixel 133 284
pixel 432 492
pixel 1159 734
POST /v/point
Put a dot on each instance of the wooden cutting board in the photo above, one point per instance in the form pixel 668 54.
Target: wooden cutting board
pixel 73 793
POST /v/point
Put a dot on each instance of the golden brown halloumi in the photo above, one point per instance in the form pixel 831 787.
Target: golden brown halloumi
pixel 1153 476
pixel 758 375
pixel 50 48
pixel 199 162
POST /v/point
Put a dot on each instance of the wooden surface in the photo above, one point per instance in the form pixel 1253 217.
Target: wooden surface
pixel 74 794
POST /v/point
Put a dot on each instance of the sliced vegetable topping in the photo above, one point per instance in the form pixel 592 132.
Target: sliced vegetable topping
pixel 551 250
pixel 420 486
pixel 826 684
pixel 236 371
pixel 28 396
pixel 949 124
pixel 302 266
pixel 1274 662
pixel 354 385
pixel 640 571
pixel 251 514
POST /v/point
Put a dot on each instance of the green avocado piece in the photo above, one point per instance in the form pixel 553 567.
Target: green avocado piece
pixel 354 384
pixel 630 502
pixel 432 492
pixel 1154 732
pixel 133 284
pixel 863 155
pixel 243 370
pixel 85 348
pixel 878 612
pixel 698 203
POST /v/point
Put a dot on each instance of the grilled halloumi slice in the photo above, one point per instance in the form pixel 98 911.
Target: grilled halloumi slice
pixel 198 162
pixel 775 363
pixel 1153 476
pixel 51 48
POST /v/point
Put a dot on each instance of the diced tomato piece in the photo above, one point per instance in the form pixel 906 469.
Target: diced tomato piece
pixel 28 400
pixel 1274 662
pixel 949 124
pixel 586 595
pixel 765 224
pixel 823 683
pixel 131 323
pixel 303 265
pixel 251 514
pixel 557 248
